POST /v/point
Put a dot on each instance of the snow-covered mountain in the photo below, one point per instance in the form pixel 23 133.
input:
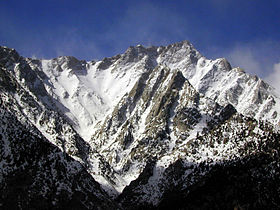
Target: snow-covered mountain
pixel 147 124
pixel 88 91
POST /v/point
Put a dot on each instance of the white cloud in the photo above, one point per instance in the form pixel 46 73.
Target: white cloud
pixel 244 57
pixel 274 78
pixel 259 58
pixel 34 56
pixel 256 57
pixel 74 44
pixel 147 24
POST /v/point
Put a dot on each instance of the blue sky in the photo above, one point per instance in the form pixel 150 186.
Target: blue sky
pixel 246 32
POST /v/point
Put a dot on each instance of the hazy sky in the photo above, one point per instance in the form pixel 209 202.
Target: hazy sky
pixel 246 32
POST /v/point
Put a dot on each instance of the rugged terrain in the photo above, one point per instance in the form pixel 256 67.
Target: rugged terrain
pixel 153 127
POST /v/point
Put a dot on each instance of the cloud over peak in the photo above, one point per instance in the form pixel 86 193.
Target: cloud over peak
pixel 274 78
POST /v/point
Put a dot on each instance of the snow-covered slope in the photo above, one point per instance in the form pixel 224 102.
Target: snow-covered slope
pixel 89 92
pixel 36 174
pixel 24 86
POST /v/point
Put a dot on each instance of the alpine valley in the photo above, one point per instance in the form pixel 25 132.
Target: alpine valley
pixel 152 128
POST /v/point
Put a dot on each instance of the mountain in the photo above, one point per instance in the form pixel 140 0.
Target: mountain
pixel 154 127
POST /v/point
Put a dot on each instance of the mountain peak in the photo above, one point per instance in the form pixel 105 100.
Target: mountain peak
pixel 8 55
pixel 184 43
